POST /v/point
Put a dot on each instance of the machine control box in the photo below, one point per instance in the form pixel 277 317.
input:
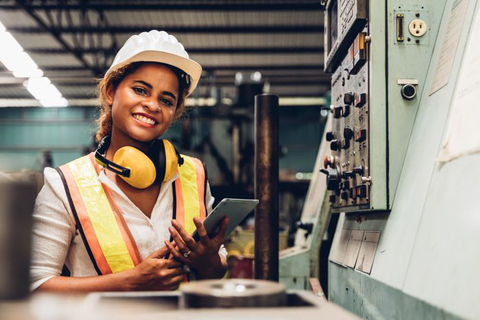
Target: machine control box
pixel 373 110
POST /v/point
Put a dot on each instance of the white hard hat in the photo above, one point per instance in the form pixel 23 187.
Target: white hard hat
pixel 157 46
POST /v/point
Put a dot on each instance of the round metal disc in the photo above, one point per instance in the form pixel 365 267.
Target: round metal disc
pixel 232 293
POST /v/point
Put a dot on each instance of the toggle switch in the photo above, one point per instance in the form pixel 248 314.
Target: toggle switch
pixel 333 178
pixel 348 98
pixel 334 145
pixel 362 191
pixel 358 170
pixel 337 112
pixel 329 136
pixel 360 100
pixel 346 111
pixel 361 135
pixel 347 133
pixel 332 198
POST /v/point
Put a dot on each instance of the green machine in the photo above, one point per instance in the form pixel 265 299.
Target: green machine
pixel 378 55
pixel 405 245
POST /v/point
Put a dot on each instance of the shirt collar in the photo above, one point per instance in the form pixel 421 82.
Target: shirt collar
pixel 103 178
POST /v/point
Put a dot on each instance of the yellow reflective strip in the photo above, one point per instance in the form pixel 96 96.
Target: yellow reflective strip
pixel 188 176
pixel 101 215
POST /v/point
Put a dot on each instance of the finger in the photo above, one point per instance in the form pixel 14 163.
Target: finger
pixel 173 287
pixel 178 240
pixel 171 264
pixel 174 272
pixel 189 241
pixel 220 236
pixel 202 232
pixel 160 253
pixel 175 253
pixel 176 280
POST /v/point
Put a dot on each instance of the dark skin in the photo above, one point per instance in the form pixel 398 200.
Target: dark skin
pixel 143 107
pixel 151 93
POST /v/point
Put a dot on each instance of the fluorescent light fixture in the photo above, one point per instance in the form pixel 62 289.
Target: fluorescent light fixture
pixel 57 102
pixel 22 66
pixel 45 92
pixel 10 46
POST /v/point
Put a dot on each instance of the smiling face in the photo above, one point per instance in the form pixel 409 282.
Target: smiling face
pixel 143 104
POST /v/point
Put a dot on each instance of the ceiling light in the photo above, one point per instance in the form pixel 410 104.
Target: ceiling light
pixel 58 102
pixel 22 66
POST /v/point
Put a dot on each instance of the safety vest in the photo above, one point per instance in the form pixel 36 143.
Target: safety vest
pixel 101 224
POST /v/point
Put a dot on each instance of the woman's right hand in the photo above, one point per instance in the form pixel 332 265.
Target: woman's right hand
pixel 155 273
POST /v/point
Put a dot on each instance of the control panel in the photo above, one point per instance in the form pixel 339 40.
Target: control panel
pixel 376 79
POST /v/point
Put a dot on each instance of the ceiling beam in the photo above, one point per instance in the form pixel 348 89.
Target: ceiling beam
pixel 275 29
pixel 178 6
pixel 239 50
pixel 207 68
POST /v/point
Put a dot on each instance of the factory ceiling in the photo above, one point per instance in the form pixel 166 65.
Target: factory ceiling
pixel 74 42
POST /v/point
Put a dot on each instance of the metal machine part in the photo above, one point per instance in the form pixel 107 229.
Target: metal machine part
pixel 369 55
pixel 161 305
pixel 233 293
pixel 266 187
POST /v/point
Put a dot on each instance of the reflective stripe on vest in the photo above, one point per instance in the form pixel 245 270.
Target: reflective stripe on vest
pixel 106 236
pixel 105 233
pixel 189 201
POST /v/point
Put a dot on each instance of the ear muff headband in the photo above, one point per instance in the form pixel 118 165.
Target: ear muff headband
pixel 139 169
pixel 104 162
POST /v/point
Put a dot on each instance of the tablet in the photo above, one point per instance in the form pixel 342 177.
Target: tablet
pixel 235 209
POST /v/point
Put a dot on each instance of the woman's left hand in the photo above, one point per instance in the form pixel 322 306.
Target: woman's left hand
pixel 202 256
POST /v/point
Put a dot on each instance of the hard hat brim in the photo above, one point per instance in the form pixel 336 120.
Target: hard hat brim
pixel 190 67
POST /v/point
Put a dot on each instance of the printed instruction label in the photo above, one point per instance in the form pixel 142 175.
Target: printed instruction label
pixel 449 45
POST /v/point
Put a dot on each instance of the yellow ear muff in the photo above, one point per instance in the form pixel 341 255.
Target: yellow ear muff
pixel 171 160
pixel 142 169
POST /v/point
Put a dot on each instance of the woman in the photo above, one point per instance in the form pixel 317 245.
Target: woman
pixel 108 216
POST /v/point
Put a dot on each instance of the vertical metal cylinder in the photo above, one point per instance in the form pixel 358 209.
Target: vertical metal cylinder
pixel 266 187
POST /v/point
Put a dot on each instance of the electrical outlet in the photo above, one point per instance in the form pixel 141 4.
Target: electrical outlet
pixel 417 27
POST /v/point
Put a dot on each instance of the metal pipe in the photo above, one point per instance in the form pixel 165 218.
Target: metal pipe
pixel 266 187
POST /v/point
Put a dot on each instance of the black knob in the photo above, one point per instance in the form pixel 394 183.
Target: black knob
pixel 333 178
pixel 329 136
pixel 347 133
pixel 308 227
pixel 408 91
pixel 358 170
pixel 334 145
pixel 344 195
pixel 337 112
pixel 348 98
pixel 332 198
pixel 346 111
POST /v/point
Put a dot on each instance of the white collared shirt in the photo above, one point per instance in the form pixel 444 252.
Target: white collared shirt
pixel 56 241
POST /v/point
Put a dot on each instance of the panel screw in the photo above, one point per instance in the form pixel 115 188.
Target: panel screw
pixel 417 41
